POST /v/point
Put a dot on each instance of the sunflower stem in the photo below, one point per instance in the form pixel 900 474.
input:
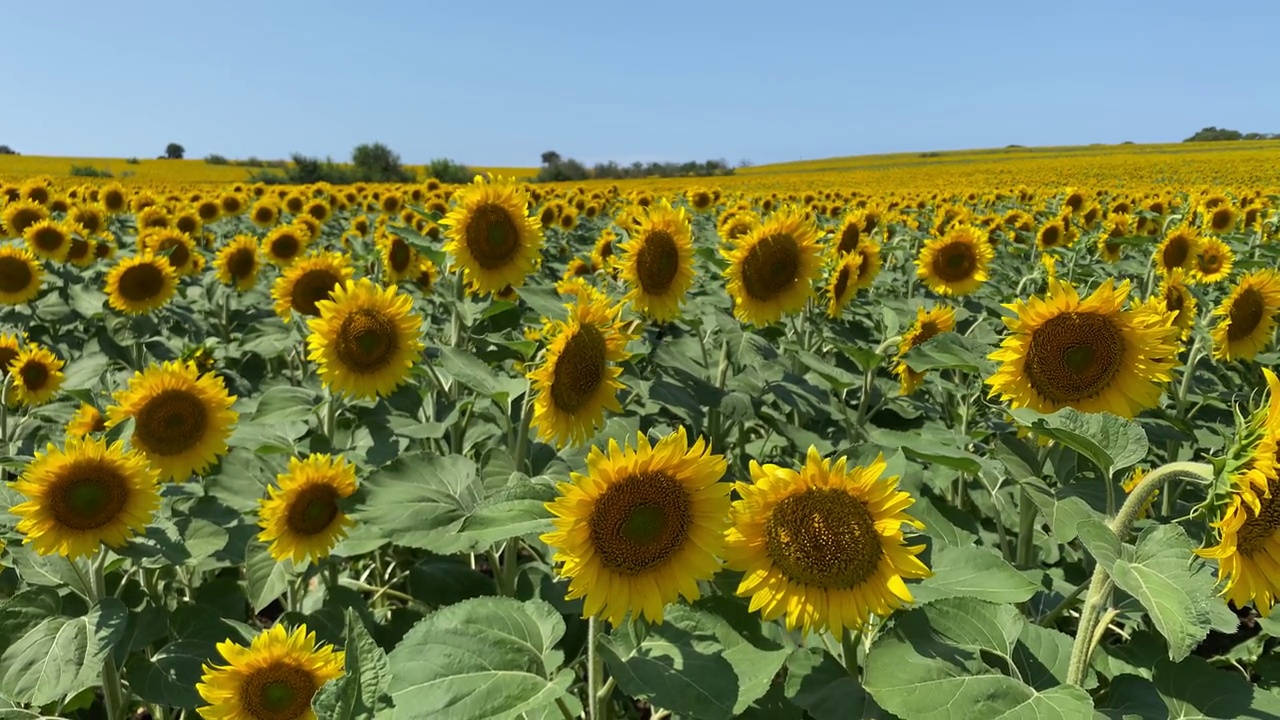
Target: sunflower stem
pixel 564 709
pixel 1026 528
pixel 594 669
pixel 1100 584
pixel 522 432
pixel 331 418
pixel 849 645
pixel 112 690
pixel 4 413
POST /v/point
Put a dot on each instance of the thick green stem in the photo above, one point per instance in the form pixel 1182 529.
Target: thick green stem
pixel 330 428
pixel 112 687
pixel 4 413
pixel 522 433
pixel 1026 528
pixel 1087 635
pixel 594 669
pixel 849 647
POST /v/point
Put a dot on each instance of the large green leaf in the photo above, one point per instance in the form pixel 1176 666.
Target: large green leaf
pixel 950 350
pixel 60 655
pixel 482 658
pixel 709 661
pixel 824 688
pixel 973 572
pixel 1174 586
pixel 1112 443
pixel 467 369
pixel 361 690
pixel 931 448
pixel 1189 690
pixel 265 578
pixel 169 677
pixel 959 658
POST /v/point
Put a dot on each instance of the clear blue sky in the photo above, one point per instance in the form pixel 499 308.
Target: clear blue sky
pixel 491 82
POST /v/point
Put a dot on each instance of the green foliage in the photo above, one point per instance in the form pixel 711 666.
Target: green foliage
pixel 89 171
pixel 174 151
pixel 1213 134
pixel 375 162
pixel 448 171
pixel 557 169
pixel 215 159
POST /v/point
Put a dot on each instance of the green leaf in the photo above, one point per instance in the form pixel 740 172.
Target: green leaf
pixel 1173 585
pixel 85 372
pixel 819 684
pixel 483 658
pixel 265 578
pixel 171 675
pixel 929 448
pixel 1042 656
pixel 1112 443
pixel 950 350
pixel 285 403
pixel 61 655
pixel 955 659
pixel 697 662
pixel 418 501
pixel 1190 690
pixel 1101 543
pixel 441 582
pixel 1064 512
pixel 467 369
pixel 518 508
pixel 361 691
pixel 973 572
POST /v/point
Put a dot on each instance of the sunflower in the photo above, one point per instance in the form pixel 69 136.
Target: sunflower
pixel 701 199
pixel 1117 227
pixel 928 324
pixel 1176 299
pixel 605 249
pixel 642 527
pixel 90 217
pixel 843 284
pixel 1091 355
pixel 275 678
pixel 1248 316
pixel 10 347
pixel 309 281
pixel 657 262
pixel 85 496
pixel 365 340
pixel 1177 250
pixel 208 211
pixel 824 545
pixel 301 517
pixel 80 252
pixel 37 375
pixel 578 380
pixel 20 215
pixel 140 284
pixel 86 421
pixel 956 263
pixel 869 268
pixel 175 246
pixel 20 275
pixel 399 259
pixel 238 263
pixel 1213 261
pixel 265 213
pixel 284 244
pixel 188 222
pixel 850 234
pixel 48 239
pixel 1221 219
pixel 771 272
pixel 491 236
pixel 113 199
pixel 578 267
pixel 741 224
pixel 182 419
pixel 427 275
pixel 1052 234
pixel 231 204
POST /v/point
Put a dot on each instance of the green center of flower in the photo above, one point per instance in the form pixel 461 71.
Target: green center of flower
pixel 1079 359
pixel 640 521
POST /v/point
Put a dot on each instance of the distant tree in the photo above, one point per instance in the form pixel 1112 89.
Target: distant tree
pixel 375 162
pixel 1213 134
pixel 448 171
pixel 551 157
pixel 216 159
pixel 745 163
pixel 174 151
pixel 6 150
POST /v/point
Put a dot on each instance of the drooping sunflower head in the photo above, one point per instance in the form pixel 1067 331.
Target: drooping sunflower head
pixel 20 215
pixel 823 546
pixel 843 283
pixel 578 379
pixel 20 275
pixel 771 272
pixel 1092 355
pixel 657 262
pixel 308 281
pixel 275 678
pixel 284 244
pixel 1214 260
pixel 1177 250
pixel 301 517
pixel 366 339
pixel 1248 324
pixel 83 497
pixel 491 236
pixel 929 323
pixel 182 419
pixel 641 527
pixel 140 284
pixel 238 263
pixel 956 263
pixel 37 375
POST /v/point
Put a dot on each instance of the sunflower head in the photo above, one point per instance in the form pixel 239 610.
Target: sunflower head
pixel 141 284
pixel 824 545
pixel 657 262
pixel 301 517
pixel 1214 260
pixel 285 244
pixel 929 323
pixel 491 237
pixel 843 283
pixel 238 263
pixel 1221 219
pixel 308 281
pixel 771 271
pixel 83 497
pixel 366 339
pixel 20 215
pixel 275 678
pixel 1248 316
pixel 182 419
pixel 956 263
pixel 1092 355
pixel 37 376
pixel 641 527
pixel 48 239
pixel 21 275
pixel 1177 250
pixel 178 248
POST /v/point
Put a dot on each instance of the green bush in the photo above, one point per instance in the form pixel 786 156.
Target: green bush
pixel 216 159
pixel 89 171
pixel 448 171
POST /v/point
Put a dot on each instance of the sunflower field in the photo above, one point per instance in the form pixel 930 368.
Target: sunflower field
pixel 954 438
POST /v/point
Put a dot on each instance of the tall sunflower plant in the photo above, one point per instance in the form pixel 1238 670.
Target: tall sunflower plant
pixel 770 445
